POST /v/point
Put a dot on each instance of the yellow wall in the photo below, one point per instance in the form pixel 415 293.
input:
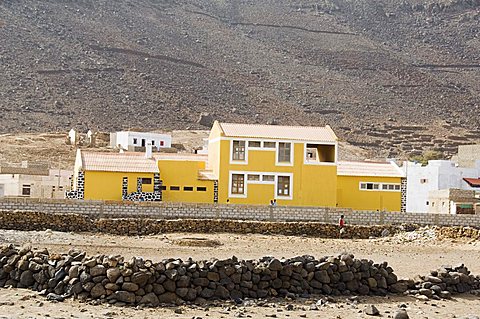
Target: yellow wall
pixel 184 173
pixel 313 185
pixel 108 185
pixel 349 194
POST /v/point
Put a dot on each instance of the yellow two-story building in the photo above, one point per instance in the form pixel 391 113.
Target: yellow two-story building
pixel 255 164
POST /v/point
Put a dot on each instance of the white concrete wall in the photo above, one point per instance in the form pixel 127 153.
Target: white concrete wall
pixel 439 175
pixel 126 139
pixel 52 186
pixel 10 184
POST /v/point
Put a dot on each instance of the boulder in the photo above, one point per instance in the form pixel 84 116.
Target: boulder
pixel 150 299
pixel 97 291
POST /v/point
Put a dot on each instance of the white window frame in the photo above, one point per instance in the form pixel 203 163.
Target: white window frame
pixel 254 147
pixel 274 148
pixel 292 152
pixel 230 182
pixel 290 187
pixel 247 182
pixel 380 187
pixel 241 162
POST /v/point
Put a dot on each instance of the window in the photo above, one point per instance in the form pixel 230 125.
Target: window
pixel 423 181
pixel 146 181
pixel 269 144
pixel 162 143
pixel 268 178
pixel 163 188
pixel 254 144
pixel 284 152
pixel 238 151
pixel 53 188
pixel 153 142
pixel 238 181
pixel 60 188
pixel 320 153
pixel 283 186
pixel 390 187
pixel 188 188
pixel 253 177
pixel 428 203
pixel 201 189
pixel 26 190
pixel 135 141
pixel 174 188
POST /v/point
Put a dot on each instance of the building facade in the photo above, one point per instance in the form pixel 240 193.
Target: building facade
pixel 370 186
pixel 255 164
pixel 133 141
pixel 35 181
pixel 437 175
pixel 245 164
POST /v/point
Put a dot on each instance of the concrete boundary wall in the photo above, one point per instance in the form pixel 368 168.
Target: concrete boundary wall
pixel 153 210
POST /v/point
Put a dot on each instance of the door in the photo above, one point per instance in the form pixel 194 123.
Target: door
pixel 143 142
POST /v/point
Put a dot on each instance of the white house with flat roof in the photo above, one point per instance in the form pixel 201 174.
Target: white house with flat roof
pixel 30 180
pixel 135 141
pixel 437 175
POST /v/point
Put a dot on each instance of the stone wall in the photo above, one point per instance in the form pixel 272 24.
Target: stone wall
pixel 175 281
pixel 21 220
pixel 137 281
pixel 154 210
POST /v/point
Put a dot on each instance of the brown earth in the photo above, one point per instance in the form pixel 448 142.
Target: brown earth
pixel 408 258
pixel 52 148
pixel 395 76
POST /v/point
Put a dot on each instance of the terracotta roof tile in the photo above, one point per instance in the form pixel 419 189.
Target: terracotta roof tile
pixel 118 162
pixel 383 169
pixel 473 182
pixel 302 133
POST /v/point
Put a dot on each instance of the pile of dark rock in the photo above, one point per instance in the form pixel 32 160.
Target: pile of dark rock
pixel 444 282
pixel 175 281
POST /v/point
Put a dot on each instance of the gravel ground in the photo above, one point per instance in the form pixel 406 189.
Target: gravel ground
pixel 407 253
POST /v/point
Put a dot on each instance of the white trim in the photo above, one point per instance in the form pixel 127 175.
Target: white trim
pixel 244 195
pixel 238 162
pixel 261 182
pixel 292 152
pixel 223 138
pixel 290 196
pixel 215 140
pixel 380 187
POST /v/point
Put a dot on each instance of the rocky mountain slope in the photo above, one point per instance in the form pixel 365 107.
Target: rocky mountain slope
pixel 396 76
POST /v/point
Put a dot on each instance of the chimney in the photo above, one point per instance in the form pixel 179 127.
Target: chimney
pixel 148 150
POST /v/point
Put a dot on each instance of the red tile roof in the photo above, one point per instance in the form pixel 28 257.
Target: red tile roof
pixel 473 182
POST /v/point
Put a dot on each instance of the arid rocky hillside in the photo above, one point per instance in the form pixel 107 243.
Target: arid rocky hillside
pixel 398 76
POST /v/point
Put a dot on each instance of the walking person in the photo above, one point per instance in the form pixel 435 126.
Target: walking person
pixel 341 225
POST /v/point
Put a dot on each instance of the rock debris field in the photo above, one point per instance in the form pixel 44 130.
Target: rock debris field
pixel 186 276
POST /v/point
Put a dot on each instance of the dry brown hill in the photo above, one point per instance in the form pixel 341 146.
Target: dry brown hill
pixel 397 76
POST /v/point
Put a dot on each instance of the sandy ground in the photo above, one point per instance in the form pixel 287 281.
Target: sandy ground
pixel 407 257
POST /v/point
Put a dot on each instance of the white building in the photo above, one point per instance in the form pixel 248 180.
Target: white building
pixel 33 181
pixel 135 141
pixel 437 175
